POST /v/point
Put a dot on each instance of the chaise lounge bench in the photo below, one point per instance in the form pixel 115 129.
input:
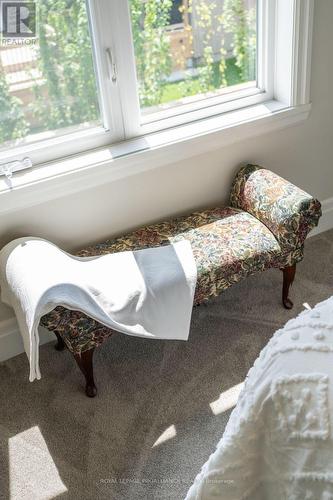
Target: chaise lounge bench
pixel 265 226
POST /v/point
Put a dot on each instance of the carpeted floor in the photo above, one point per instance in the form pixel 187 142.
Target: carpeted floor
pixel 151 427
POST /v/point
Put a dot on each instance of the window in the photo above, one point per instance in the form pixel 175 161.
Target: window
pixel 176 14
pixel 98 72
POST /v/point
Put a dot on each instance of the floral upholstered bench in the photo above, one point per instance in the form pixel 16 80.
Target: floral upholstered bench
pixel 265 226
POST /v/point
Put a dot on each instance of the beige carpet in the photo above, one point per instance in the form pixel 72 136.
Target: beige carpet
pixel 151 427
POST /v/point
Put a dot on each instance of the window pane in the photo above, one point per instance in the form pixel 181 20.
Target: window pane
pixel 47 83
pixel 189 50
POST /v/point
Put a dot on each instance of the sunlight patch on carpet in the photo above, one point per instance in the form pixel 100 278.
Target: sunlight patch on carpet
pixel 32 471
pixel 228 399
pixel 169 433
pixel 307 306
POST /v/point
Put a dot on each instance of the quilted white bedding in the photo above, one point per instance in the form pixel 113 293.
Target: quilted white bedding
pixel 278 442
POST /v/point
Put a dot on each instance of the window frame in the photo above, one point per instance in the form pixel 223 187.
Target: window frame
pixel 228 99
pixel 283 77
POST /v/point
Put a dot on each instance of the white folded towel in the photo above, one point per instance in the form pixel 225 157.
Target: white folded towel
pixel 148 293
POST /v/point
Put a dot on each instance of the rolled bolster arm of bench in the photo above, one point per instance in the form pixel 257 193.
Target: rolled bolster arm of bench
pixel 288 212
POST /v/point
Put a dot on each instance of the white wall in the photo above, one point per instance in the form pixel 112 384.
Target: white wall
pixel 302 154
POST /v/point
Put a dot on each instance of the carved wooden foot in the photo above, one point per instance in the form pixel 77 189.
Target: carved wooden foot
pixel 288 278
pixel 60 345
pixel 85 363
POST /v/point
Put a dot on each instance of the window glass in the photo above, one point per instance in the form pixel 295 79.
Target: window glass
pixel 47 81
pixel 176 15
pixel 211 52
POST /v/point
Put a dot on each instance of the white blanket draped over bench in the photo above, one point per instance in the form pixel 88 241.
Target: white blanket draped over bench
pixel 278 442
pixel 147 293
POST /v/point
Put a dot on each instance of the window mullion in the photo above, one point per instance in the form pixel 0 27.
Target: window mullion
pixel 115 62
pixel 126 70
pixel 103 17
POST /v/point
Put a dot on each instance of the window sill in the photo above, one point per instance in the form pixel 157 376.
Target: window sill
pixel 91 169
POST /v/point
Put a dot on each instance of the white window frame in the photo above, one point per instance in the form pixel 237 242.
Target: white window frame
pixel 283 94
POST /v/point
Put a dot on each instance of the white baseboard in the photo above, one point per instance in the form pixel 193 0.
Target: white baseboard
pixel 10 339
pixel 326 221
pixel 11 343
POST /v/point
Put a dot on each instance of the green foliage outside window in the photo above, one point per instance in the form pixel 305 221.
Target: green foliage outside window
pixel 66 64
pixel 12 122
pixel 240 23
pixel 153 58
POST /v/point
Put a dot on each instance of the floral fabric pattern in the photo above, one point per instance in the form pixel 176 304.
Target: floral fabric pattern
pixel 266 227
pixel 287 211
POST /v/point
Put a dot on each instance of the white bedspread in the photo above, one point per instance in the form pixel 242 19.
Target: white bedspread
pixel 148 293
pixel 278 442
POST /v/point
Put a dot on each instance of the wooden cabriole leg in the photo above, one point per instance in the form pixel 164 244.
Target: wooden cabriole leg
pixel 288 278
pixel 85 363
pixel 60 345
